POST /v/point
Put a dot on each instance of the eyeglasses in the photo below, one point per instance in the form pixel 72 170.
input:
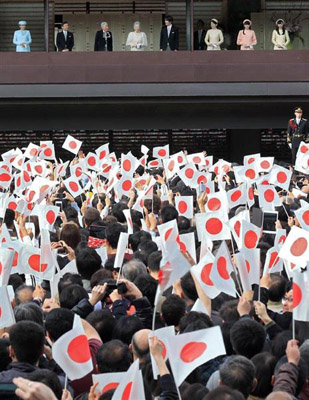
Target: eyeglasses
pixel 288 299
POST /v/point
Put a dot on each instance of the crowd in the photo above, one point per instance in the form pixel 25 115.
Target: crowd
pixel 168 276
pixel 212 39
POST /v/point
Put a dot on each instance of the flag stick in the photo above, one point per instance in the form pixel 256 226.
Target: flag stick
pixel 66 382
pixel 293 326
pixel 154 317
pixel 285 210
pixel 178 392
pixel 235 271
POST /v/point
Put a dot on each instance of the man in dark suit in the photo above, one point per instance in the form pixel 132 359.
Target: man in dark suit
pixel 297 132
pixel 169 40
pixel 65 39
pixel 103 39
pixel 199 36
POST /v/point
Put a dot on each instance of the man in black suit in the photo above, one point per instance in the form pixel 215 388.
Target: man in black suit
pixel 65 39
pixel 199 36
pixel 169 40
pixel 103 39
pixel 297 132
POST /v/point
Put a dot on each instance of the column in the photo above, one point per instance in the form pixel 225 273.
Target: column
pixel 189 24
pixel 46 24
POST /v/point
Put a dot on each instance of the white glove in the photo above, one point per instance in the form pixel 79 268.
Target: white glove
pixel 290 145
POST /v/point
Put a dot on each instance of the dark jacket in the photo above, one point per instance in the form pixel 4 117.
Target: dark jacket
pixel 199 44
pixel 63 44
pixel 297 133
pixel 100 41
pixel 168 388
pixel 172 40
pixel 83 308
pixel 287 379
pixel 16 370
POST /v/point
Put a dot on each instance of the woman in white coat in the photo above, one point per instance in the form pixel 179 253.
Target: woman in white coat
pixel 137 40
pixel 280 37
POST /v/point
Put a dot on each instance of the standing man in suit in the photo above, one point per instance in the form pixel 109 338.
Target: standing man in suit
pixel 169 40
pixel 65 39
pixel 297 132
pixel 199 36
pixel 103 39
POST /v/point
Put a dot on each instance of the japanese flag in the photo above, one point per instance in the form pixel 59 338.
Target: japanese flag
pixel 131 386
pixel 264 164
pixel 32 150
pixel 143 160
pixel 168 233
pixel 6 261
pixel 77 170
pixel 71 352
pixel 127 214
pixel 296 247
pixel 12 203
pixel 237 196
pixel 7 318
pixel 268 197
pixel 302 214
pixel 213 226
pixel 102 151
pixel 197 158
pixel 171 167
pixel 184 206
pixel 124 185
pixel 155 164
pixel 186 243
pixel 61 169
pixel 217 203
pixel 201 177
pixel 162 334
pixel 144 149
pixel 220 273
pixel 250 196
pixel 251 265
pixel 186 174
pixel 73 186
pixel 280 237
pixel 300 295
pixel 37 168
pixel 5 178
pixel 161 152
pixel 235 225
pixel 263 180
pixel 303 149
pixel 48 216
pixel 190 350
pixel 108 381
pixel 273 263
pixel 179 158
pixel 128 164
pixel 251 159
pixel 209 161
pixel 281 177
pixel 47 150
pixel 71 144
pixel 249 235
pixel 121 249
pixel 139 203
pixel 250 173
pixel 202 271
pixel 91 161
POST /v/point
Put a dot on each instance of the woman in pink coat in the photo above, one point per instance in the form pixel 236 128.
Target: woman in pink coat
pixel 246 37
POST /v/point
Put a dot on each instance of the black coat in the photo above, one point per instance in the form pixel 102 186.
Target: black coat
pixel 99 43
pixel 298 133
pixel 63 44
pixel 172 40
pixel 199 45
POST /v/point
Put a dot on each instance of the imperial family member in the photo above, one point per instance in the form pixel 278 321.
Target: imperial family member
pixel 214 36
pixel 246 37
pixel 280 37
pixel 297 132
pixel 137 40
pixel 22 38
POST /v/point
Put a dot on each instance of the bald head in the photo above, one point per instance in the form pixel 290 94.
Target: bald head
pixel 279 396
pixel 140 345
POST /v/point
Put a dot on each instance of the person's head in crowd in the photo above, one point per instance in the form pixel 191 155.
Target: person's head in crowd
pixel 304 351
pixel 113 356
pixel 5 358
pixel 288 301
pixel 72 295
pixel 112 234
pixel 189 292
pixel 237 372
pixel 136 217
pixel 140 345
pixel 168 20
pixel 183 224
pixel 226 333
pixel 141 256
pixel 9 218
pixel 200 24
pixel 192 317
pixel 91 215
pixel 302 373
pixel 71 214
pixel 168 213
pixel 132 269
pixel 70 234
pixel 27 341
pixel 88 262
pixel 153 205
pixel 153 263
pixel 279 343
pixel 29 312
pixel 109 219
pixel 148 246
pixel 100 276
pixel 172 310
pixel 224 393
pixel 125 328
pixel 193 391
pixel 23 294
pixel 103 322
pixel 148 286
pixel 49 378
pixel 16 281
pixel 264 370
pixel 279 396
pixel 117 211
pixel 228 311
pixel 136 238
pixel 58 322
pixel 277 288
pixel 109 265
pixel 69 279
pixel 247 337
pixel 98 198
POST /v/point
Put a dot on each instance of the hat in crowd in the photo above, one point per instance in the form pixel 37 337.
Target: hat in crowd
pixel 20 23
pixel 298 110
pixel 246 22
pixel 280 21
pixel 215 21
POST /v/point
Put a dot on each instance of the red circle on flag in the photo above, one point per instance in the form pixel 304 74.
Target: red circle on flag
pixel 33 152
pixel 282 239
pixel 236 195
pixel 251 160
pixel 205 274
pixel 0 312
pixel 26 176
pixel 78 349
pixel 50 217
pixel 1 268
pixel 31 195
pixel 189 173
pixel 12 205
pixel 250 193
pixel 92 161
pixel 182 207
pixel 126 185
pixel 38 169
pixel 304 149
pixel 265 164
pixel 127 391
pixel 282 177
pixel 168 233
pixel 299 247
pixel 154 163
pixel 102 154
pixel 250 173
pixel 297 295
pixel 48 152
pixel 305 217
pixel 78 172
pixel 107 169
pixel 197 160
pixel 237 226
pixel 72 144
pixel 192 350
pixel 269 195
pixel 216 170
pixel 110 386
pixel 214 204
pixel 201 179
pixel 266 182
pixel 248 266
pixel 171 165
pixel 34 262
pixel 214 226
pixel 274 257
pixel 44 188
pixel 163 349
pixel 5 177
pixel 127 165
pixel 250 239
pixel 179 159
pixel 162 153
pixel 73 186
pixel 182 246
pixel 221 267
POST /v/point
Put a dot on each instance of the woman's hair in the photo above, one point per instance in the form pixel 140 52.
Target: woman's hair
pixel 277 27
pixel 137 23
pixel 70 234
pixel 246 23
